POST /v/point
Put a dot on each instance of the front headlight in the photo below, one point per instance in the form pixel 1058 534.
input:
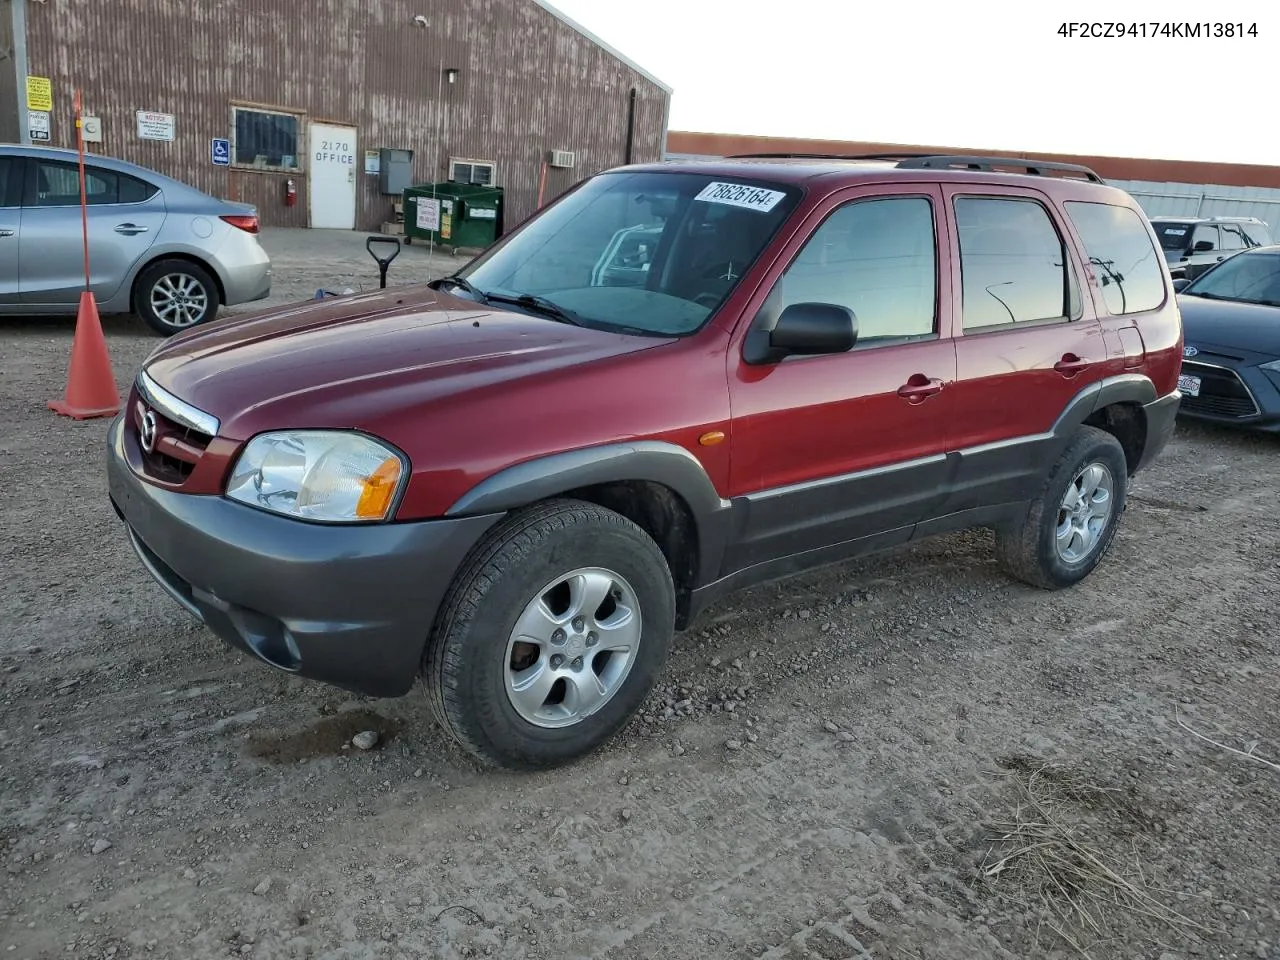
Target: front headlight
pixel 1271 366
pixel 330 475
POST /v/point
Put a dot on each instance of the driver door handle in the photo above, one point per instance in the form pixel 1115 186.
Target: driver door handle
pixel 919 388
pixel 129 229
pixel 6 233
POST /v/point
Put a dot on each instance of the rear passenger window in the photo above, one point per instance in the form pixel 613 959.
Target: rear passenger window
pixel 1128 266
pixel 879 259
pixel 58 185
pixel 1013 264
pixel 6 179
pixel 1231 238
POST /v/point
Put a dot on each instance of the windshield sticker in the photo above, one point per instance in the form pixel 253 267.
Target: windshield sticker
pixel 1170 232
pixel 740 195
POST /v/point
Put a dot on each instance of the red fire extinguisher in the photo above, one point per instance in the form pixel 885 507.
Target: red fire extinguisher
pixel 290 193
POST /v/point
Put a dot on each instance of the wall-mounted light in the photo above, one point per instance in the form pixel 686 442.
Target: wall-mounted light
pixel 451 75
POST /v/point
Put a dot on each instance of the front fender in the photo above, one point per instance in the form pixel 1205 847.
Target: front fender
pixel 649 460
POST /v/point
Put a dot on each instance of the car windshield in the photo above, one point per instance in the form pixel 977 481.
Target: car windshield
pixel 644 252
pixel 1247 277
pixel 1173 236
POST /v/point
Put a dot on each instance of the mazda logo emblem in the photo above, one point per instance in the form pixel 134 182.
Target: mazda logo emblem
pixel 148 432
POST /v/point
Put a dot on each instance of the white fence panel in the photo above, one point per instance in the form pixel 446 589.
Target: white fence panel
pixel 1207 200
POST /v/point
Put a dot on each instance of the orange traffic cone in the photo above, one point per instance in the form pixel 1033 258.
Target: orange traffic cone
pixel 91 383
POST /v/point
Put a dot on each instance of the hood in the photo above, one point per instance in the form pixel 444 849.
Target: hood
pixel 1248 327
pixel 353 361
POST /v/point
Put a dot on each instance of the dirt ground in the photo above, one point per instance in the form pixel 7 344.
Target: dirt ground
pixel 826 775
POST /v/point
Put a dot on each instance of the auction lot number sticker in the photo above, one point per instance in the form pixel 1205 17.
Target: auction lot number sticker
pixel 741 195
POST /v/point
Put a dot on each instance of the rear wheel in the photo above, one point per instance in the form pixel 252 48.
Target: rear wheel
pixel 175 295
pixel 1069 528
pixel 552 636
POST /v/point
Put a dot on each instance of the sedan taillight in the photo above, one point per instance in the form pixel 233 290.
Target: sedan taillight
pixel 249 223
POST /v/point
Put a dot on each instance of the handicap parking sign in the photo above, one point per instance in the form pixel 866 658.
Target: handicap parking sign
pixel 220 152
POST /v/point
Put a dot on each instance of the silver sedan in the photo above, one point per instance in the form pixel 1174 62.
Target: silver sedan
pixel 157 247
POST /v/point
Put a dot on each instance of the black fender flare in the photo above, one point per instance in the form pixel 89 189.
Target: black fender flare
pixel 651 460
pixel 1122 388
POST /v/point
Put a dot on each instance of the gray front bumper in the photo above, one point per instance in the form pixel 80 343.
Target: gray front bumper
pixel 347 605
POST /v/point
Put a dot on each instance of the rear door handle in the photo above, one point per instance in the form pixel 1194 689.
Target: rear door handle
pixel 6 233
pixel 919 388
pixel 130 228
pixel 1070 365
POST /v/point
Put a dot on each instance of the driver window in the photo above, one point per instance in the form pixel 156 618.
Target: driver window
pixel 879 259
pixel 1205 232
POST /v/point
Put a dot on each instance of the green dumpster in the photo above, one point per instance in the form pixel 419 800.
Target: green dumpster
pixel 456 215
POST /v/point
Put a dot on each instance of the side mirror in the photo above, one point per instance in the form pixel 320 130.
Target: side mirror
pixel 814 328
pixel 1202 246
pixel 1180 284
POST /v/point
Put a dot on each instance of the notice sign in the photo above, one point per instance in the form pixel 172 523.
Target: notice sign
pixel 428 214
pixel 38 125
pixel 155 126
pixel 39 94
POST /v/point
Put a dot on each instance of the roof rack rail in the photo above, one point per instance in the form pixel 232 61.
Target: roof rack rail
pixel 920 161
pixel 824 156
pixel 1033 167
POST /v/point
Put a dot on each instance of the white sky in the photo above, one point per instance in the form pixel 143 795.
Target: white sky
pixel 986 73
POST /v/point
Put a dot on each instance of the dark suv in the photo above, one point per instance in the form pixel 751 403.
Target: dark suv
pixel 677 380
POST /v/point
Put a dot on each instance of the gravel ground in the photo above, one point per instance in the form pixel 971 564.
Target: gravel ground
pixel 825 774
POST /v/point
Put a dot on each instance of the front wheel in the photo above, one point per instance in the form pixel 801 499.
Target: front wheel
pixel 175 295
pixel 551 637
pixel 1069 528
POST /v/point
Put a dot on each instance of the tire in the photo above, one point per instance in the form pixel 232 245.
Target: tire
pixel 473 659
pixel 1029 549
pixel 175 280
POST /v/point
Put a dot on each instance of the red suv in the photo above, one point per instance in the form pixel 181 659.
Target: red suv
pixel 679 379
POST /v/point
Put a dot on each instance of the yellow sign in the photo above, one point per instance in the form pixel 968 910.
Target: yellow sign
pixel 39 94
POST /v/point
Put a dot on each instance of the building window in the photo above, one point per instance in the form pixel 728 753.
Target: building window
pixel 265 139
pixel 471 171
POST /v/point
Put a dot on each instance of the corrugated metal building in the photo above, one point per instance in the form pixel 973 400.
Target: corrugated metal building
pixel 479 90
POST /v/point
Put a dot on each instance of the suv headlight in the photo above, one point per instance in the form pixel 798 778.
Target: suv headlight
pixel 1271 366
pixel 334 476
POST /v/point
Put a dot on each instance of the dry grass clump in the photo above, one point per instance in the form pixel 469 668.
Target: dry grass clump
pixel 1054 847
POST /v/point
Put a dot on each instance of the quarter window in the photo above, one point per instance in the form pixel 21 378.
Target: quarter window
pixel 1013 264
pixel 1119 248
pixel 879 259
pixel 1258 235
pixel 265 139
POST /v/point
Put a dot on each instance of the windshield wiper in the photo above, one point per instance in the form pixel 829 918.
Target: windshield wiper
pixel 462 284
pixel 542 305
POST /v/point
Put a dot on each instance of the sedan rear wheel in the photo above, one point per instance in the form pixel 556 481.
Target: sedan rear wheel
pixel 175 295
